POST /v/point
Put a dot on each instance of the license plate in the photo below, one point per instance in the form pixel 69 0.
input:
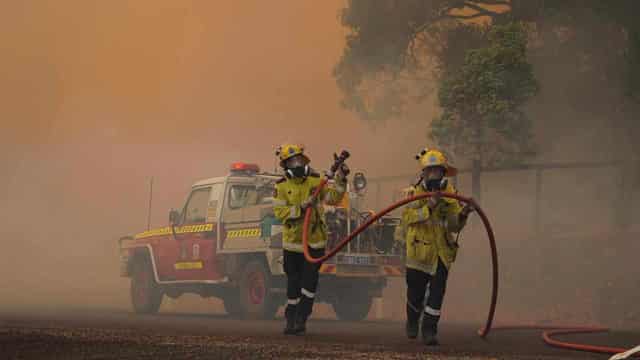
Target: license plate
pixel 188 265
pixel 357 260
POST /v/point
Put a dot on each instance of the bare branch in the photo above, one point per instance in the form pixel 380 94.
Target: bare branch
pixel 467 17
pixel 494 2
pixel 445 13
pixel 480 9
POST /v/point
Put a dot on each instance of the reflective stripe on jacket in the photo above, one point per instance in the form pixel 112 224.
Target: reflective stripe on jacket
pixel 428 234
pixel 290 194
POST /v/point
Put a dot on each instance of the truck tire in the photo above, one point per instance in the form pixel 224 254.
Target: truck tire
pixel 256 299
pixel 146 295
pixel 352 306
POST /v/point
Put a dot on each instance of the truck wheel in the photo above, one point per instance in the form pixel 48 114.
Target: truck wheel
pixel 146 295
pixel 352 306
pixel 256 299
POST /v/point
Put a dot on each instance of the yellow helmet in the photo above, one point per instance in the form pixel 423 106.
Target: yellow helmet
pixel 287 151
pixel 433 157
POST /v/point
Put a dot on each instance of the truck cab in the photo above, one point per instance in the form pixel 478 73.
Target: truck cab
pixel 225 242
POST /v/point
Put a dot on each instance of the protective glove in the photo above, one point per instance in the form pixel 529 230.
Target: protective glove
pixel 342 173
pixel 434 201
pixel 466 210
pixel 311 201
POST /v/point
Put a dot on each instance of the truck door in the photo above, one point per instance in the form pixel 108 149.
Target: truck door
pixel 196 236
pixel 242 214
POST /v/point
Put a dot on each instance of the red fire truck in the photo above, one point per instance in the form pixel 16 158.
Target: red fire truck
pixel 225 242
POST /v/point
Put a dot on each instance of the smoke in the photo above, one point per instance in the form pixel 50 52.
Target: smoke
pixel 100 97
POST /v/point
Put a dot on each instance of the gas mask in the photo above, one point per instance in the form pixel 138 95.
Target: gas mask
pixel 433 179
pixel 296 167
pixel 298 172
pixel 433 184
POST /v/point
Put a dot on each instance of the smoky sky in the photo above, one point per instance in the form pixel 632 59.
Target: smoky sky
pixel 97 97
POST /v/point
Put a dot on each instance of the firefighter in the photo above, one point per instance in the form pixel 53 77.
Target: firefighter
pixel 293 197
pixel 426 230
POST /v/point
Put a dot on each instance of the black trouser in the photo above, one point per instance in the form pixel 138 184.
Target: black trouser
pixel 416 286
pixel 302 283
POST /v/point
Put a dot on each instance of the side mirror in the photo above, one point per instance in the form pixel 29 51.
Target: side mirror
pixel 174 216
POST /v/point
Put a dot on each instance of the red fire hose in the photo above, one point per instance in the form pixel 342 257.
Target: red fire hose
pixel 494 254
pixel 549 331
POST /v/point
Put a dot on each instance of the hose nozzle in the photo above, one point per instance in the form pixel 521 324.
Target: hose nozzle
pixel 338 160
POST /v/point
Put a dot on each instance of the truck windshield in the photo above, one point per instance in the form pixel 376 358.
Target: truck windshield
pixel 196 209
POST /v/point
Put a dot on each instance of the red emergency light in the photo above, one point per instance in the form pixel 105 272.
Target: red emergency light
pixel 240 167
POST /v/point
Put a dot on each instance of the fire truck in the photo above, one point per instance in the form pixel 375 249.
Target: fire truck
pixel 225 242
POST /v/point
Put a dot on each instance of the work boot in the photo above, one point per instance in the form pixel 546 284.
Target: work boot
pixel 429 337
pixel 412 329
pixel 290 316
pixel 430 330
pixel 300 326
pixel 305 307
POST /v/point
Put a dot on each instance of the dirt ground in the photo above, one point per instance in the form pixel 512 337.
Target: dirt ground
pixel 117 334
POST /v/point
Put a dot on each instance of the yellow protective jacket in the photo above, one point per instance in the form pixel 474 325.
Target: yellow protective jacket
pixel 290 194
pixel 428 234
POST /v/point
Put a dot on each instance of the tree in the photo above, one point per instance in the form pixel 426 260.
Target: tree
pixel 482 117
pixel 587 51
pixel 393 47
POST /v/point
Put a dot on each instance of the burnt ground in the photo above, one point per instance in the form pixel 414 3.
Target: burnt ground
pixel 109 334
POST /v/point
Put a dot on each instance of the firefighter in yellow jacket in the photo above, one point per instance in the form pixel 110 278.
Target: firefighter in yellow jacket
pixel 293 197
pixel 426 229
